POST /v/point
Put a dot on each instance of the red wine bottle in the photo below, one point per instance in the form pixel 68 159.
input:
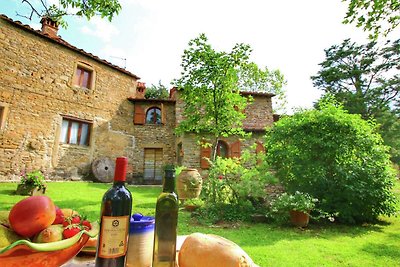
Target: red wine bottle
pixel 116 209
pixel 166 220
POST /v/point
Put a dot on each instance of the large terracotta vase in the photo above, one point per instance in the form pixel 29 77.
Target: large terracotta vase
pixel 299 218
pixel 189 184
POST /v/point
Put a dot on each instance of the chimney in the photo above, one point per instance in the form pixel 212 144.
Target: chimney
pixel 49 27
pixel 140 90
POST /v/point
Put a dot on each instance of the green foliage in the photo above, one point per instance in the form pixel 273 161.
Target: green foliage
pixel 210 89
pixel 35 179
pixel 336 157
pixel 378 16
pixel 234 185
pixel 159 91
pixel 88 8
pixel 366 80
pixel 298 201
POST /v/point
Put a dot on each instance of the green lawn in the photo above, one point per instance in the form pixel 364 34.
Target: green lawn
pixel 268 245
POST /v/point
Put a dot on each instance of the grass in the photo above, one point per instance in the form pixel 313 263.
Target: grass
pixel 268 245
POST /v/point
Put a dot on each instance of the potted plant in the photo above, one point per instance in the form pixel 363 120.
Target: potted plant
pixel 193 204
pixel 298 205
pixel 32 183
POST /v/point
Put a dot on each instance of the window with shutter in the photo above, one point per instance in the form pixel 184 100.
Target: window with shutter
pixel 235 149
pixel 139 115
pixel 205 152
pixel 260 148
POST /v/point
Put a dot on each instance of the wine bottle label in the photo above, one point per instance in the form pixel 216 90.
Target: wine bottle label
pixel 113 236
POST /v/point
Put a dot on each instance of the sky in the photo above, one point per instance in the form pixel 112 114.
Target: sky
pixel 148 37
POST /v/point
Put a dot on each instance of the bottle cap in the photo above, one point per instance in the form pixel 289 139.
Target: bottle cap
pixel 121 165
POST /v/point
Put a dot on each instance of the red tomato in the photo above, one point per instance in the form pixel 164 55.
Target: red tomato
pixel 31 215
pixel 86 225
pixel 75 220
pixel 70 231
pixel 59 216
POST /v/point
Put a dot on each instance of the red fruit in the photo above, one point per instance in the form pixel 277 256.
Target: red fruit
pixel 31 215
pixel 76 220
pixel 86 225
pixel 70 231
pixel 59 216
pixel 66 223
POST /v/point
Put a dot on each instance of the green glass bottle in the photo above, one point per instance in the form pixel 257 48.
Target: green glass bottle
pixel 116 208
pixel 166 220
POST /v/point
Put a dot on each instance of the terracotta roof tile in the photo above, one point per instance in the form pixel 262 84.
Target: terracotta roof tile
pixel 61 41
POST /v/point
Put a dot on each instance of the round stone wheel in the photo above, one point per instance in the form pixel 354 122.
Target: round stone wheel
pixel 103 169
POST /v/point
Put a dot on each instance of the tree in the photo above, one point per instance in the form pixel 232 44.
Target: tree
pixel 86 8
pixel 378 16
pixel 364 77
pixel 159 91
pixel 254 79
pixel 366 80
pixel 336 157
pixel 209 86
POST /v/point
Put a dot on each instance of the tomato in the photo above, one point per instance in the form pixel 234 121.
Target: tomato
pixel 31 215
pixel 59 216
pixel 86 225
pixel 75 220
pixel 70 231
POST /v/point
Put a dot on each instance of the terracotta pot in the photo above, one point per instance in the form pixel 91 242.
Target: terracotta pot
pixel 189 184
pixel 299 218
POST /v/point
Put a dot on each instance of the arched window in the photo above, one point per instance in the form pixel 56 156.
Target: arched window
pixel 153 116
pixel 222 149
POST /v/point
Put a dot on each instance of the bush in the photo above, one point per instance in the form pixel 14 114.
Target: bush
pixel 235 183
pixel 336 157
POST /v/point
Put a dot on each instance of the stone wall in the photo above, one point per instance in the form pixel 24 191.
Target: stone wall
pixel 36 85
pixel 154 136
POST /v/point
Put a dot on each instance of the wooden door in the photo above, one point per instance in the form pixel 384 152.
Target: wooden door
pixel 153 165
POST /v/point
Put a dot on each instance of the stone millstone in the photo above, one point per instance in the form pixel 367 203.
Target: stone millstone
pixel 103 169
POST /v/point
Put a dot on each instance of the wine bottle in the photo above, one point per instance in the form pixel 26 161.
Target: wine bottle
pixel 116 209
pixel 166 220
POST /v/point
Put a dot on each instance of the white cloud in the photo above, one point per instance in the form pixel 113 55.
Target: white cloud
pixel 101 29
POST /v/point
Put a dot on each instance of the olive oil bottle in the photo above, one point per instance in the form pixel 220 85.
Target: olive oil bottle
pixel 166 220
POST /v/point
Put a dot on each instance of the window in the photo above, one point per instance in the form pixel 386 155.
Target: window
pixel 153 116
pixel 84 75
pixel 3 114
pixel 222 149
pixel 75 131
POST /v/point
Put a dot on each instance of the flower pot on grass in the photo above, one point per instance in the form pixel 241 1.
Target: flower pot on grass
pixel 299 218
pixel 32 184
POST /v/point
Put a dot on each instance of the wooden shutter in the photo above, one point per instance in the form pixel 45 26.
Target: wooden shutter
pixel 205 152
pixel 139 115
pixel 235 149
pixel 260 148
pixel 163 114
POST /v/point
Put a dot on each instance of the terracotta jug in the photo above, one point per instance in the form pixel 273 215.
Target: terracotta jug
pixel 189 184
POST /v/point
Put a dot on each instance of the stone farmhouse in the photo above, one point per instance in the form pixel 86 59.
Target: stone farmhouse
pixel 68 113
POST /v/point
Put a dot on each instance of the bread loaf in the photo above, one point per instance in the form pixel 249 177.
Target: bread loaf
pixel 201 250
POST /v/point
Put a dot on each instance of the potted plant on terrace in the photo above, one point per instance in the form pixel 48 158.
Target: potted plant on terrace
pixel 299 206
pixel 32 183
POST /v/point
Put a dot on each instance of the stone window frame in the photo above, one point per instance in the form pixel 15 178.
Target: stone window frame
pixel 80 122
pixel 4 108
pixel 86 67
pixel 155 121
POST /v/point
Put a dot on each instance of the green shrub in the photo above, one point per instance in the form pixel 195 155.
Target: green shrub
pixel 34 179
pixel 336 157
pixel 235 183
